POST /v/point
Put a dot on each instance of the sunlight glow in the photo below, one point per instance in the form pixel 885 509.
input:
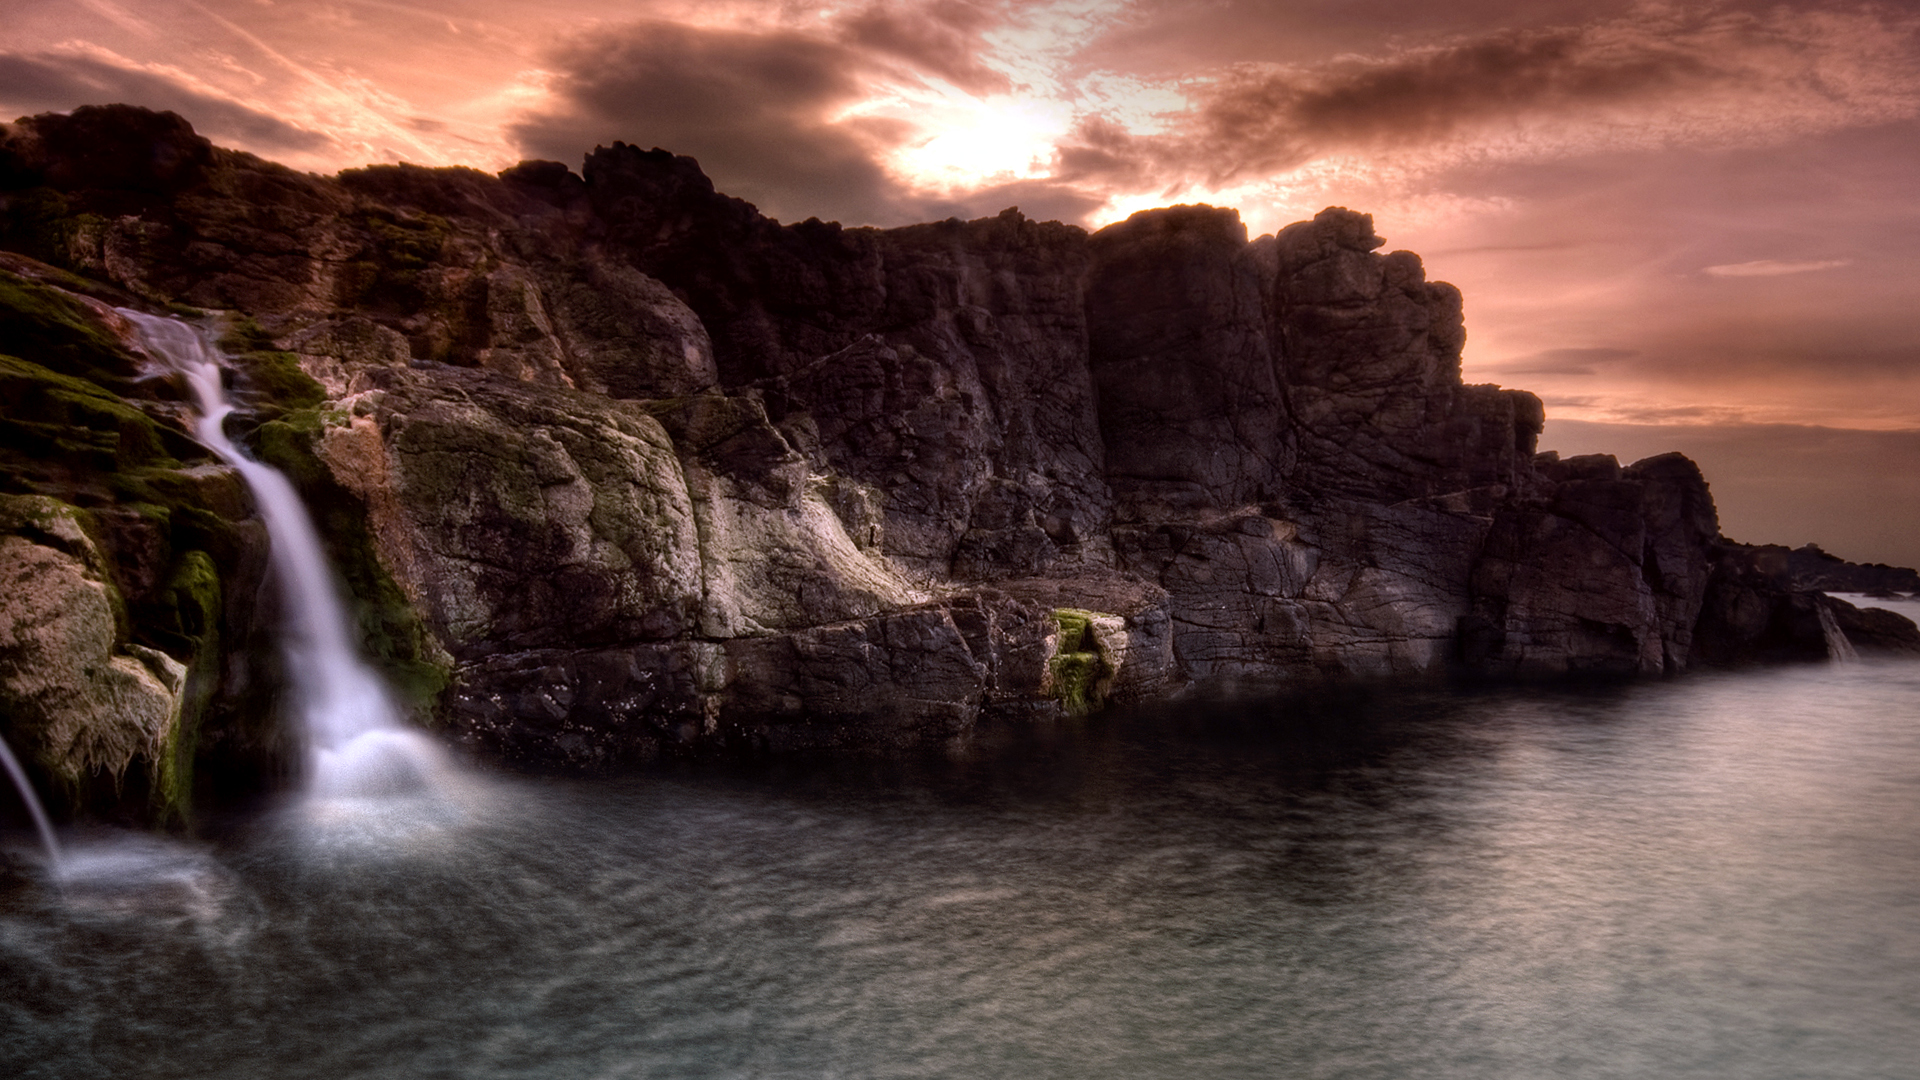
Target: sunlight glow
pixel 981 139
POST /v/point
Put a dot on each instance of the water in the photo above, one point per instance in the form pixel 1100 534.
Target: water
pixel 1716 876
pixel 31 801
pixel 360 749
pixel 1899 605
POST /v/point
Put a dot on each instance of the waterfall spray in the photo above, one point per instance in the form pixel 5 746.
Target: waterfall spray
pixel 357 743
pixel 1839 649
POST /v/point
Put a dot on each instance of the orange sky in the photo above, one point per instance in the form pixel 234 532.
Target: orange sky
pixel 1699 215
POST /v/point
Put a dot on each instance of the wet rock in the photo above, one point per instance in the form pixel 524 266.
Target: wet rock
pixel 1754 612
pixel 79 699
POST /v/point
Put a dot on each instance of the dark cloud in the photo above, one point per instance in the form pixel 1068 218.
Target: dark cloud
pixel 1101 151
pixel 1715 75
pixel 1169 38
pixel 754 108
pixel 762 110
pixel 1262 120
pixel 60 81
pixel 1040 200
pixel 941 39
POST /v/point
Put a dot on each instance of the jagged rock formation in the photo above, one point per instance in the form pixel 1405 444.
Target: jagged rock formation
pixel 614 464
pixel 1810 568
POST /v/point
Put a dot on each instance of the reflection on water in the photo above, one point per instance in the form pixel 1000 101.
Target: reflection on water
pixel 1712 877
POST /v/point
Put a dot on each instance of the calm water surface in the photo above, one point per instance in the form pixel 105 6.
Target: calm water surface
pixel 1717 876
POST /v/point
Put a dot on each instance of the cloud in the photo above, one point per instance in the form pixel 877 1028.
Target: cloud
pixel 1040 200
pixel 756 109
pixel 941 39
pixel 781 113
pixel 1773 268
pixel 1585 361
pixel 62 79
pixel 1697 78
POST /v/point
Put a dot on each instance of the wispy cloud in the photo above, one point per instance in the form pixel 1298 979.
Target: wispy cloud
pixel 1572 361
pixel 62 78
pixel 1663 78
pixel 1773 267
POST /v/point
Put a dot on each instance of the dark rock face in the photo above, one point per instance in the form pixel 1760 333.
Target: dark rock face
pixel 112 148
pixel 1602 569
pixel 618 467
pixel 1191 403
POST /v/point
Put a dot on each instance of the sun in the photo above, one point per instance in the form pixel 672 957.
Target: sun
pixel 973 141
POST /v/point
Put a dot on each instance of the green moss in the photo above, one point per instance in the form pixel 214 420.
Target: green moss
pixel 386 272
pixel 244 334
pixel 410 243
pixel 274 376
pixel 44 413
pixel 1076 668
pixel 193 598
pixel 277 377
pixel 39 222
pixel 390 630
pixel 56 331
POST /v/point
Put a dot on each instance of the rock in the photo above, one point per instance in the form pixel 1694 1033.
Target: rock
pixel 118 148
pixel 1603 571
pixel 1191 405
pixel 1372 355
pixel 619 468
pixel 1755 612
pixel 1875 630
pixel 1811 568
pixel 518 519
pixel 79 699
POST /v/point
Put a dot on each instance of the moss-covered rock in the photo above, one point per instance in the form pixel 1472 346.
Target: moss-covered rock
pixel 1079 673
pixel 79 700
pixel 50 327
pixel 51 415
pixel 193 596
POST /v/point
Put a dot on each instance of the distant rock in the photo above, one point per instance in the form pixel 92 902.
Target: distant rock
pixel 1811 568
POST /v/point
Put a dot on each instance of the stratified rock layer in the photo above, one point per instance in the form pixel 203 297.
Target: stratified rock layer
pixel 616 465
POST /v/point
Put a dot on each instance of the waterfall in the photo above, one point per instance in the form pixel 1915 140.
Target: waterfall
pixel 356 741
pixel 1839 649
pixel 34 808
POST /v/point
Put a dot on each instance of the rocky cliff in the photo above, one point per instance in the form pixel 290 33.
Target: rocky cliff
pixel 614 465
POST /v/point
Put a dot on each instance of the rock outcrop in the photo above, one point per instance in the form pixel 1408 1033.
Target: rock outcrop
pixel 1810 568
pixel 615 466
pixel 1757 611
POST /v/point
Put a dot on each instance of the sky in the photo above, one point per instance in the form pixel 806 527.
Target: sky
pixel 1697 223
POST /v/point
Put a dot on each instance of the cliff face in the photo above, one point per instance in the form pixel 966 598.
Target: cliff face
pixel 615 464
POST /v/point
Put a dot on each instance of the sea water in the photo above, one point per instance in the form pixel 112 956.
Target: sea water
pixel 1710 876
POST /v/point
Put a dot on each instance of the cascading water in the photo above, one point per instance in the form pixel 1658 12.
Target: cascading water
pixel 34 808
pixel 357 743
pixel 1839 649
